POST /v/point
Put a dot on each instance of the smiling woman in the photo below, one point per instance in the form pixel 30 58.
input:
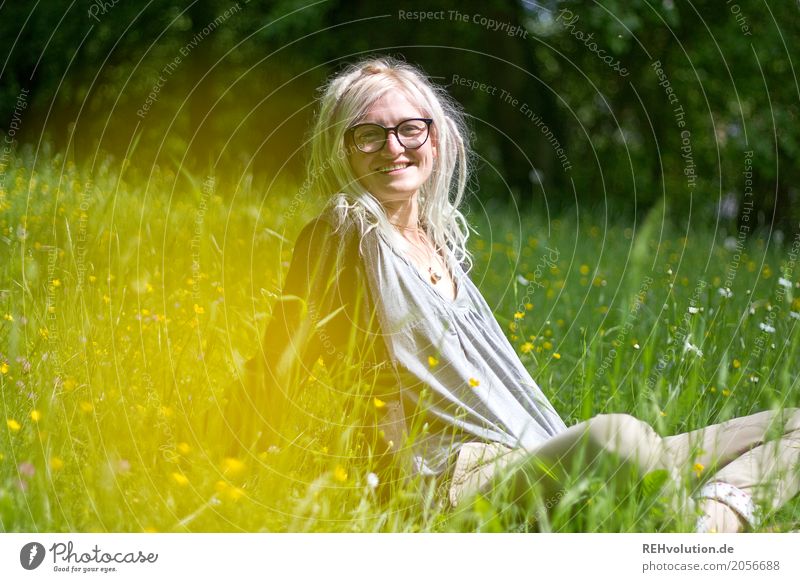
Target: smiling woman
pixel 379 280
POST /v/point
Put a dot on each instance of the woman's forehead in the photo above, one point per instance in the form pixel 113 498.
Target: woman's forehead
pixel 391 107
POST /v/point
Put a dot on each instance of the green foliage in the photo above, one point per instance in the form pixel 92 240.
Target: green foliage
pixel 127 310
pixel 246 83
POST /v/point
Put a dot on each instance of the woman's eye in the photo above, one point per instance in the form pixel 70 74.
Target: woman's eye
pixel 369 136
pixel 411 129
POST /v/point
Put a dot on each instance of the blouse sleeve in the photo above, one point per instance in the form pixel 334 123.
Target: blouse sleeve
pixel 290 344
pixel 318 314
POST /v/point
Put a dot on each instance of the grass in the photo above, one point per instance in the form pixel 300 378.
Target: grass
pixel 127 305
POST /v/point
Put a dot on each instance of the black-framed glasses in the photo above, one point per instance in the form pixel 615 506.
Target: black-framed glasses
pixel 371 137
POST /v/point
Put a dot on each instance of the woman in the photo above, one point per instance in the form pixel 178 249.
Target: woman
pixel 379 278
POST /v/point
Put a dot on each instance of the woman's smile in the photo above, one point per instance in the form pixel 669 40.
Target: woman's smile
pixel 394 168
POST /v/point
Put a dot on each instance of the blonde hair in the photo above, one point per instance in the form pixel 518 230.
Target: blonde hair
pixel 345 98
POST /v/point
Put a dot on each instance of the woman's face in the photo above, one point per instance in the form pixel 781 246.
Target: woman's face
pixel 393 173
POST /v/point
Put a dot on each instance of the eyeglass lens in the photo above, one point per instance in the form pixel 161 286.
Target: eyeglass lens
pixel 371 137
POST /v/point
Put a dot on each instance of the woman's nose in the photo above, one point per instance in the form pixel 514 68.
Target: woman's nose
pixel 393 145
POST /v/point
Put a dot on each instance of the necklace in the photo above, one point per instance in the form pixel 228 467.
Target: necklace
pixel 427 259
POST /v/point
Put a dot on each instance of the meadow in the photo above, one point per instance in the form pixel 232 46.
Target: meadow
pixel 129 302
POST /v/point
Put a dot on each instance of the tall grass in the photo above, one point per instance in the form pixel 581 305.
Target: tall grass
pixel 129 306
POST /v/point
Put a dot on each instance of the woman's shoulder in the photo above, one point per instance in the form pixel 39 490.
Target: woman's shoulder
pixel 328 231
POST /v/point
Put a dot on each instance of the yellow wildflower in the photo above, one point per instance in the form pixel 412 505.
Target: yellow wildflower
pixel 13 425
pixel 557 356
pixel 36 416
pixel 180 479
pixel 698 468
pixel 736 363
pixel 86 406
pixel 184 448
pixel 232 467
pixel 339 474
pixel 547 345
pixel 474 382
pixel 198 309
pixel 8 317
pixel 526 348
pixel 378 403
pixel 519 315
pixel 432 362
pixel 56 464
pixel 529 306
pixel 584 270
pixel 56 283
pixel 726 392
pixel 3 368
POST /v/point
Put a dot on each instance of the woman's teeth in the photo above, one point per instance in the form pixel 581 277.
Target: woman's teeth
pixel 393 167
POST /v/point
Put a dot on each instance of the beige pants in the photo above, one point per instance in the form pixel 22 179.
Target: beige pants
pixel 759 454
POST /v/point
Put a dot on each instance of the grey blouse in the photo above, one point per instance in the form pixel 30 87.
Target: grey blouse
pixel 476 388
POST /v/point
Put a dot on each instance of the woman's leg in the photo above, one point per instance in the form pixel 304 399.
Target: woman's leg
pixel 742 465
pixel 579 449
pixel 639 448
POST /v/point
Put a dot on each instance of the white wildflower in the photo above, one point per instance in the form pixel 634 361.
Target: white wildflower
pixel 725 292
pixel 766 327
pixel 785 283
pixel 635 346
pixel 522 280
pixel 693 310
pixel 689 347
pixel 794 314
pixel 372 480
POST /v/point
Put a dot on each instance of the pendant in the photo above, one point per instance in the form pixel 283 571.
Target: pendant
pixel 435 277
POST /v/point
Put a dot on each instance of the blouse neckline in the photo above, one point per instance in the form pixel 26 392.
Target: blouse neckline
pixel 457 280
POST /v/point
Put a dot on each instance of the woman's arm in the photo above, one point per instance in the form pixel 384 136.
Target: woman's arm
pixel 290 344
pixel 324 310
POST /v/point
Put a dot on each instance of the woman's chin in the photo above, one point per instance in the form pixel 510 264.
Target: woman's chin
pixel 394 197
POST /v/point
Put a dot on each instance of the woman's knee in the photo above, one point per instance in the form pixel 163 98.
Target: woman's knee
pixel 792 416
pixel 618 428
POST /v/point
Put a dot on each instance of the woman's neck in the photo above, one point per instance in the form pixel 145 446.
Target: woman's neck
pixel 403 213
